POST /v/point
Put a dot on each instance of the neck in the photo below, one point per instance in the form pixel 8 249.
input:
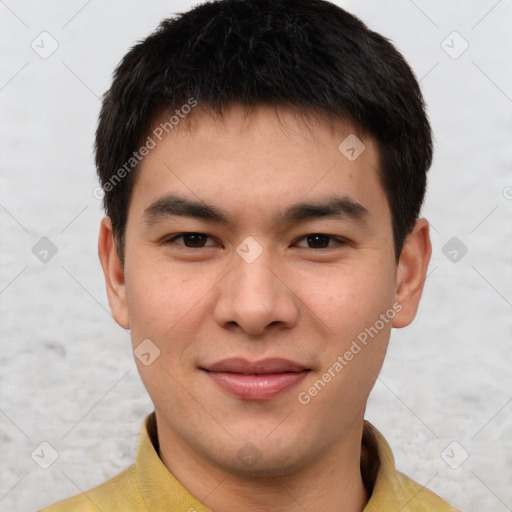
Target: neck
pixel 332 482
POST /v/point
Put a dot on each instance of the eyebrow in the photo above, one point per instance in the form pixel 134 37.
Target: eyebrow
pixel 340 207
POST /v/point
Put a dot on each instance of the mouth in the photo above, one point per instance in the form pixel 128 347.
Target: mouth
pixel 260 380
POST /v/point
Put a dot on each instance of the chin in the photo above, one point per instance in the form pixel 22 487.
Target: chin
pixel 264 468
pixel 262 458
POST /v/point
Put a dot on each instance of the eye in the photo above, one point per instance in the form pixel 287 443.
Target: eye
pixel 320 241
pixel 199 240
pixel 190 240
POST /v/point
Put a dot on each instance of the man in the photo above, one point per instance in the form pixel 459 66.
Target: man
pixel 264 166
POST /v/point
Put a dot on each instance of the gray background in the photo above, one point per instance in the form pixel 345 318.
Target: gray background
pixel 67 373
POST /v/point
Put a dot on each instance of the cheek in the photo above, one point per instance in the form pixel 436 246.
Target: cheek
pixel 348 299
pixel 165 307
pixel 152 303
pixel 359 323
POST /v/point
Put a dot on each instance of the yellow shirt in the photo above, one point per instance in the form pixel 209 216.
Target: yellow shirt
pixel 148 485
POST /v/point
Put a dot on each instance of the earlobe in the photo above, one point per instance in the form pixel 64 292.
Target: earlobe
pixel 113 272
pixel 411 272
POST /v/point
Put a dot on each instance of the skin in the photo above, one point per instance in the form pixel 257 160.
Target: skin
pixel 199 305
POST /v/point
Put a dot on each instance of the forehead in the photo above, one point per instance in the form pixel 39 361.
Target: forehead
pixel 259 123
pixel 259 159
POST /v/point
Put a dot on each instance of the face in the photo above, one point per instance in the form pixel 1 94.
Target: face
pixel 259 262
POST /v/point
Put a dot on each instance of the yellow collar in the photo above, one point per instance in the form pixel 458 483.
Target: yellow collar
pixel 389 489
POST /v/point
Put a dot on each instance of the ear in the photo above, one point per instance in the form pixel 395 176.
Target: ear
pixel 412 272
pixel 114 273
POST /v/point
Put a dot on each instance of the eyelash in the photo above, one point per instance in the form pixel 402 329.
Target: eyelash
pixel 172 240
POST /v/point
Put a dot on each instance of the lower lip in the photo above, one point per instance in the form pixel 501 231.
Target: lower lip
pixel 257 387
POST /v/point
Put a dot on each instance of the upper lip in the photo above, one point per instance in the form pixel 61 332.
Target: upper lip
pixel 241 365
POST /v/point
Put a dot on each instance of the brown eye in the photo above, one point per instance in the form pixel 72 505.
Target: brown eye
pixel 190 240
pixel 319 241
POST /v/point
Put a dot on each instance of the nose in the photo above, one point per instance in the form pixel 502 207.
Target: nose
pixel 256 296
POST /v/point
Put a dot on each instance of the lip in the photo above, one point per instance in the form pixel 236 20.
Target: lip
pixel 260 380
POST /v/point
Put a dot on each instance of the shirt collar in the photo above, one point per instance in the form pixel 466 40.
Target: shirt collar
pixel 159 489
pixel 163 493
pixel 378 471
